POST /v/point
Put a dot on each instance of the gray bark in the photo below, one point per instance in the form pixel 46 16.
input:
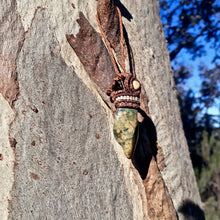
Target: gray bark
pixel 59 159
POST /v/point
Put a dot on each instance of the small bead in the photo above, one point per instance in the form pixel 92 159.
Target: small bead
pixel 136 84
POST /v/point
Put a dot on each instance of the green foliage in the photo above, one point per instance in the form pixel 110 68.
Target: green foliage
pixel 209 177
pixel 211 209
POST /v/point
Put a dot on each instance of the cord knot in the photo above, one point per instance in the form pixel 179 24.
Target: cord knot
pixel 125 93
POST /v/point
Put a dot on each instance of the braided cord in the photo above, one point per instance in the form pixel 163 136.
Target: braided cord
pixel 121 40
pixel 109 45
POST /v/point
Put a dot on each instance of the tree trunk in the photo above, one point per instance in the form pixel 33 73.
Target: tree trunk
pixel 58 156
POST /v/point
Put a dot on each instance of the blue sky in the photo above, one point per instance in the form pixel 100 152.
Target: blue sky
pixel 185 57
pixel 195 81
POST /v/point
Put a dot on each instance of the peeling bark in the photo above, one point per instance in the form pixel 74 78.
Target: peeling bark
pixel 109 20
pixel 8 79
pixel 92 53
pixel 160 205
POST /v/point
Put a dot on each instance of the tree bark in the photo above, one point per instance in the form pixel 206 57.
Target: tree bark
pixel 58 155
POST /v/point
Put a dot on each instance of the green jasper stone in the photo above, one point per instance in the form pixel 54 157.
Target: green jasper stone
pixel 126 129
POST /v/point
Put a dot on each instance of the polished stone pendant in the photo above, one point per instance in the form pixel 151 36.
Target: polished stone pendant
pixel 126 129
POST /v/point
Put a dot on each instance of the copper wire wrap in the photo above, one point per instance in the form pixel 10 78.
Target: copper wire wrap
pixel 122 91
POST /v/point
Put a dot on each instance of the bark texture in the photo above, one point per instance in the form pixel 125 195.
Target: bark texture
pixel 57 148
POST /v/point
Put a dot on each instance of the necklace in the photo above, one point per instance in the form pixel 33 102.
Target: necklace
pixel 124 93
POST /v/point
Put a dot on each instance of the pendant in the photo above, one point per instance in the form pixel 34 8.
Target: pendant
pixel 125 93
pixel 126 129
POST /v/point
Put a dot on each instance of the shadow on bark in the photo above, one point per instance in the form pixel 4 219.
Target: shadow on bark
pixel 146 147
pixel 191 211
pixel 124 11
